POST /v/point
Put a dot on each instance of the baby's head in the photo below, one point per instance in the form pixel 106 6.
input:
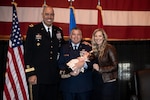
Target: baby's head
pixel 84 56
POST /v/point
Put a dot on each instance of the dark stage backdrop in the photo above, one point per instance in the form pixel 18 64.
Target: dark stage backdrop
pixel 134 52
pixel 122 19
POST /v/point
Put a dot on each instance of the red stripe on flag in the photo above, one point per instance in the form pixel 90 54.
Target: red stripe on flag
pixel 114 32
pixel 10 78
pixel 6 92
pixel 128 32
pixel 129 5
pixel 22 87
pixel 18 71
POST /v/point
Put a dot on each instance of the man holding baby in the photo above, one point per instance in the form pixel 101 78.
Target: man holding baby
pixel 78 85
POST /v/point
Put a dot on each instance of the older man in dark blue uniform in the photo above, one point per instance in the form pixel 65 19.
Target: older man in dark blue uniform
pixel 42 46
pixel 79 85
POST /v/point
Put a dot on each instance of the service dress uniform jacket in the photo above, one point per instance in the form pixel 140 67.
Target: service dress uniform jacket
pixel 80 83
pixel 41 53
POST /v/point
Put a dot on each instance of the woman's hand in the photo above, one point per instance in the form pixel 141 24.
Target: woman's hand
pixel 96 67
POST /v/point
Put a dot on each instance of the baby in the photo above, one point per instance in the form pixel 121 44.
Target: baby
pixel 74 63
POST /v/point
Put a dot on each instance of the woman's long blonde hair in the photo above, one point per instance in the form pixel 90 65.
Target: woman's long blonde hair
pixel 99 49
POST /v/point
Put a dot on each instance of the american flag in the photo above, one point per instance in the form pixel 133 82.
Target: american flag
pixel 15 87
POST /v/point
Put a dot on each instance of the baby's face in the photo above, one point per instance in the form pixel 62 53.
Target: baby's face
pixel 85 54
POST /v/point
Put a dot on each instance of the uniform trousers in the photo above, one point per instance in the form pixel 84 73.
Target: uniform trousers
pixel 77 96
pixel 45 92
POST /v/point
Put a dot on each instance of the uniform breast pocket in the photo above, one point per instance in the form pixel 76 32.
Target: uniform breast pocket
pixel 67 57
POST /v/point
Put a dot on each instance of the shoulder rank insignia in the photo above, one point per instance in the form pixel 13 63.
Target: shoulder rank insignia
pixel 60 28
pixel 31 25
pixel 29 69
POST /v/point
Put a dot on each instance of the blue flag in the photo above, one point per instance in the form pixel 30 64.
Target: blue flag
pixel 72 20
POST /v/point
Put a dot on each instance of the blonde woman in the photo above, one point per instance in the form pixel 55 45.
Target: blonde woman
pixel 105 66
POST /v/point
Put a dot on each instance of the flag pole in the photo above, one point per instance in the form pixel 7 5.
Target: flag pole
pixel 99 3
pixel 14 3
pixel 71 2
pixel 44 4
pixel 30 89
pixel 100 19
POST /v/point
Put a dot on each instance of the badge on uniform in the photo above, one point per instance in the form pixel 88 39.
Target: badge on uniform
pixel 38 37
pixel 58 35
pixel 38 44
pixel 66 54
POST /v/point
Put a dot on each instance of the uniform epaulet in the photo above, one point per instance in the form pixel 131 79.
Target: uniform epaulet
pixel 60 28
pixel 31 25
pixel 29 69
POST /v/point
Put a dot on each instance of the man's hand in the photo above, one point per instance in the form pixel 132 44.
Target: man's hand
pixel 79 64
pixel 86 43
pixel 75 72
pixel 32 79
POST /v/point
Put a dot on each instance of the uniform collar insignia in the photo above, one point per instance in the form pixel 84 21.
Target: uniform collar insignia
pixel 42 28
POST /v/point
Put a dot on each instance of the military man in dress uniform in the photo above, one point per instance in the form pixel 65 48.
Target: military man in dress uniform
pixel 42 46
pixel 78 84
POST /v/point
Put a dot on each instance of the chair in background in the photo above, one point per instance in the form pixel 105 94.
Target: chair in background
pixel 142 85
